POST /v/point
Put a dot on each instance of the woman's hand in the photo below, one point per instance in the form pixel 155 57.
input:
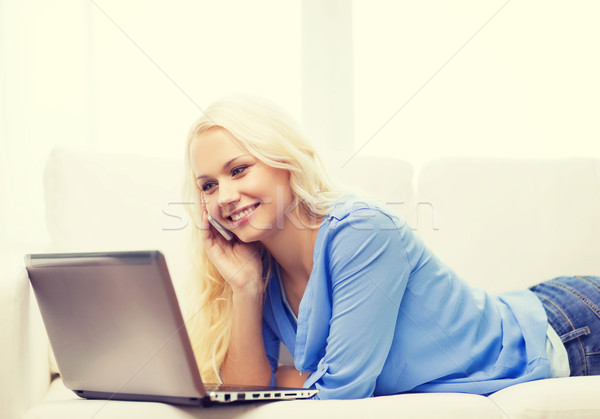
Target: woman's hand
pixel 239 263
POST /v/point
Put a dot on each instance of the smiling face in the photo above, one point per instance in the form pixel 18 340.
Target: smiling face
pixel 242 193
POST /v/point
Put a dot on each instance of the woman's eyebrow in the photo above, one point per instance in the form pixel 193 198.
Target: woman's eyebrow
pixel 225 166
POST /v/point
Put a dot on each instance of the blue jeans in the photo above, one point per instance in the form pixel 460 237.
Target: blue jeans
pixel 572 304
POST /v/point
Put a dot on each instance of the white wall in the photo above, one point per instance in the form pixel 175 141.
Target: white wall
pixel 415 80
pixel 44 101
pixel 159 63
pixel 493 78
pixel 126 77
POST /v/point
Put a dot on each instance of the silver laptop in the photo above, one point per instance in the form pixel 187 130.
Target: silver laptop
pixel 117 332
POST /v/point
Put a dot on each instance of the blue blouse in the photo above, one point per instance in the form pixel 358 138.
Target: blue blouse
pixel 381 314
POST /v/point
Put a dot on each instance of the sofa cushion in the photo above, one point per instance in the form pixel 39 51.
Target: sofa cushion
pixel 571 397
pixel 388 180
pixel 504 224
pixel 62 403
pixel 98 201
pixel 102 202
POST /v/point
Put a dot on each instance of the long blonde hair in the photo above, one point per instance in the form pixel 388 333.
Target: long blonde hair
pixel 267 133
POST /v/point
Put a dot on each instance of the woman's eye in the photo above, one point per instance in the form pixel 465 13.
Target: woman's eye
pixel 238 170
pixel 207 186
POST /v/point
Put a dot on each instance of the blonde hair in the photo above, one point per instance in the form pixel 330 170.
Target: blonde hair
pixel 267 133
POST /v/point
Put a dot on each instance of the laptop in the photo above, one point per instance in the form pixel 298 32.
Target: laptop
pixel 117 332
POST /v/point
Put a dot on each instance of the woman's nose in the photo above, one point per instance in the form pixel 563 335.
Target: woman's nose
pixel 228 194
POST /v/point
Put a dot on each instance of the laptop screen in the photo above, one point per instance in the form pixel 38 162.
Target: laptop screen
pixel 114 323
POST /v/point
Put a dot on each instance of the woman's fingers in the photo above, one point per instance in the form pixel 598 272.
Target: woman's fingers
pixel 237 262
pixel 212 239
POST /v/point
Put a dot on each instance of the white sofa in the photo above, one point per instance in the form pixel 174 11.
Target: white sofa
pixel 500 223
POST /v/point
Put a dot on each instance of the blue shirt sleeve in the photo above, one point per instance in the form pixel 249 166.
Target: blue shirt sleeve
pixel 272 344
pixel 369 270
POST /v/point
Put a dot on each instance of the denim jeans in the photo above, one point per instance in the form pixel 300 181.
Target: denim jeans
pixel 572 304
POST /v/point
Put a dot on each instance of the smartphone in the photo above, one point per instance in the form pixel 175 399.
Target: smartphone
pixel 224 232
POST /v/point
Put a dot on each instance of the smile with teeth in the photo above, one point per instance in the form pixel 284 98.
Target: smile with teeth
pixel 239 215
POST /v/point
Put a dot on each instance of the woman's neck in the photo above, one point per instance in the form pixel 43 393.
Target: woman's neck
pixel 292 247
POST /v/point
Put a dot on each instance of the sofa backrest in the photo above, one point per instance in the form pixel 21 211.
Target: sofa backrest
pixel 499 223
pixel 102 202
pixel 504 224
pixel 105 202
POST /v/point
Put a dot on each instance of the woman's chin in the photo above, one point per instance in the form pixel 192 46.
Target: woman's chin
pixel 251 234
pixel 246 239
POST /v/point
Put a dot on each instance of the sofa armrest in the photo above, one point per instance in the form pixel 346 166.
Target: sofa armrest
pixel 24 363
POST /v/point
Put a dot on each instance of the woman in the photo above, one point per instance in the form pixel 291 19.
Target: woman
pixel 362 304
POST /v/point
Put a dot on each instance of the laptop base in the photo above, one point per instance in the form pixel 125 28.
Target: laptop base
pixel 187 401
